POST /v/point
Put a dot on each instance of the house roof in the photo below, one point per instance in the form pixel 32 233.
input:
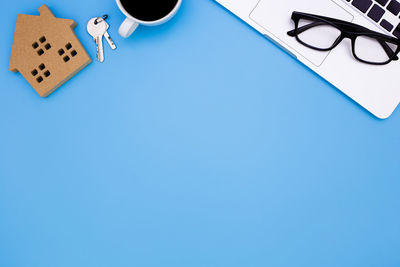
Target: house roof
pixel 24 22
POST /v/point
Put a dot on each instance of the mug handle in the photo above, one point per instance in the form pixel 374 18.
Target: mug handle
pixel 128 27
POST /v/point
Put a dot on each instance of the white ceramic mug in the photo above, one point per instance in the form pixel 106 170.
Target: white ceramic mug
pixel 131 23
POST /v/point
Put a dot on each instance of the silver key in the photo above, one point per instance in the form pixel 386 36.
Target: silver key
pixel 97 31
pixel 108 37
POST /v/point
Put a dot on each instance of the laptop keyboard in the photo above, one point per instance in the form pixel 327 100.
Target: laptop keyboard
pixel 383 12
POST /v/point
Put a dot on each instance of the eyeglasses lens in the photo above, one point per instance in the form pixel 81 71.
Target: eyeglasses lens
pixel 317 34
pixel 374 50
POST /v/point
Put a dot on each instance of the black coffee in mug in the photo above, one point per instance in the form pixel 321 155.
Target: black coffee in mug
pixel 149 10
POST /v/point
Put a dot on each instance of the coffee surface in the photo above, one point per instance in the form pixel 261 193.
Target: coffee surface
pixel 149 10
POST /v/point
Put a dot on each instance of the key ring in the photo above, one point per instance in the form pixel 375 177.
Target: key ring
pixel 100 19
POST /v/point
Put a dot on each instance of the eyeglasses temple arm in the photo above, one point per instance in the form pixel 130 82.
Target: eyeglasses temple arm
pixel 304 28
pixel 388 50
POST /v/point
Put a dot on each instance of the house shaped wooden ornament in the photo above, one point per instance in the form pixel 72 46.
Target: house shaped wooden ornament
pixel 46 51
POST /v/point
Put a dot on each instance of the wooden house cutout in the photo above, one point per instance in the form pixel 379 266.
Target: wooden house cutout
pixel 46 51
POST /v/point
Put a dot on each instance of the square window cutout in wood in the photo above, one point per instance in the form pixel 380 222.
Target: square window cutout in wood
pixel 32 58
pixel 68 46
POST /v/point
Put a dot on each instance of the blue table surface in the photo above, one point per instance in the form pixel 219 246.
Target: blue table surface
pixel 196 143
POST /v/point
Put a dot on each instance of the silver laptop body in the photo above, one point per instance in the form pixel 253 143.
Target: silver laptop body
pixel 376 88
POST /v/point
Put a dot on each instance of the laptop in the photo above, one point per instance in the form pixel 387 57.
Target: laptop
pixel 376 88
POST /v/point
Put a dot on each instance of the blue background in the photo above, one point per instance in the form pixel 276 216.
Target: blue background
pixel 196 143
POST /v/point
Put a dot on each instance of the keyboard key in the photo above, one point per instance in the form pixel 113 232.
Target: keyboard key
pixel 376 13
pixel 382 2
pixel 387 25
pixel 396 31
pixel 394 7
pixel 362 5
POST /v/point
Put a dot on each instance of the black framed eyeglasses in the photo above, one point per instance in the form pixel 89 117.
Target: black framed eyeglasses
pixel 324 34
